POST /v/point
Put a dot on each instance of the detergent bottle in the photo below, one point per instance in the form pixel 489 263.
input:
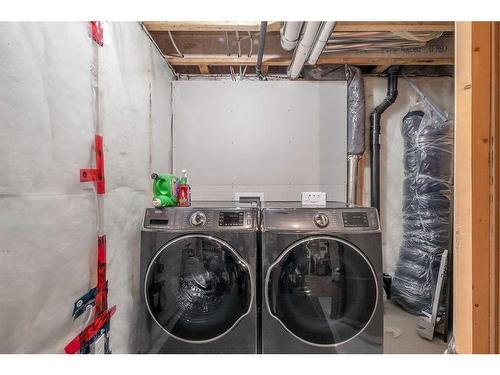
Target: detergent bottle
pixel 184 197
pixel 165 190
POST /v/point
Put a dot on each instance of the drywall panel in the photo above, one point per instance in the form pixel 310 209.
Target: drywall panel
pixel 276 137
pixel 441 91
pixel 48 224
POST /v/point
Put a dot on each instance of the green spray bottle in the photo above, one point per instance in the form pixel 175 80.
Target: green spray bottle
pixel 165 190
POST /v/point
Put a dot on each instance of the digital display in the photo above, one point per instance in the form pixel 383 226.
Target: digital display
pixel 355 219
pixel 231 218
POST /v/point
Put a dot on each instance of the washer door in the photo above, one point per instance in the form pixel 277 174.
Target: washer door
pixel 323 290
pixel 197 288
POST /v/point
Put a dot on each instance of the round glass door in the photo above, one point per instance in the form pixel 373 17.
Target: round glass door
pixel 198 288
pixel 323 290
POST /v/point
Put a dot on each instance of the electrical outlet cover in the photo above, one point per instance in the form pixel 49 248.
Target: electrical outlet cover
pixel 313 199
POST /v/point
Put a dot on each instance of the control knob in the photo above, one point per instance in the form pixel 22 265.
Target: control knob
pixel 198 219
pixel 321 220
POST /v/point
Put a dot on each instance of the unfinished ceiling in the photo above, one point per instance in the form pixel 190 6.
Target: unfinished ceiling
pixel 231 47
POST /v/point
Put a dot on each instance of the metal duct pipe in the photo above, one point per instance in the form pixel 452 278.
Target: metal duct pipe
pixel 324 34
pixel 306 42
pixel 290 33
pixel 262 45
pixel 392 94
pixel 352 178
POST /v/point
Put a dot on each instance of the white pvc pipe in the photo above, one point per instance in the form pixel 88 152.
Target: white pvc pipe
pixel 290 33
pixel 324 35
pixel 303 48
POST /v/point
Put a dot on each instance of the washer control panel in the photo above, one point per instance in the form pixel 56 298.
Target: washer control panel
pixel 201 218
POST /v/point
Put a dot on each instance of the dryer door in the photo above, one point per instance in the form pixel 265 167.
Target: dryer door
pixel 323 290
pixel 197 288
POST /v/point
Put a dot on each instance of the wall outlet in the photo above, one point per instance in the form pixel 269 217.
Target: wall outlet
pixel 313 199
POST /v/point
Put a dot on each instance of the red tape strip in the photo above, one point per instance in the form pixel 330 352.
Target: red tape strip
pixel 97 32
pixel 96 174
pixel 101 299
pixel 89 332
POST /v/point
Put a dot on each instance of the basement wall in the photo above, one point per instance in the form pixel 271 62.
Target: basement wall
pixel 441 91
pixel 48 225
pixel 273 137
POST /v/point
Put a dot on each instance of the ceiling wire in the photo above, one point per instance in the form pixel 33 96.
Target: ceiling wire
pixel 175 45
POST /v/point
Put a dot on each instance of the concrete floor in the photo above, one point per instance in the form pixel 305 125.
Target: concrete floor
pixel 400 335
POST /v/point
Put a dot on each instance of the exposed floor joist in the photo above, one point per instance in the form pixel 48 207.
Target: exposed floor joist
pixel 418 56
pixel 275 26
pixel 209 26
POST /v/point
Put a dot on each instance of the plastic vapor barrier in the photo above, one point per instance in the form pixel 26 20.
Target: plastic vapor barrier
pixel 428 163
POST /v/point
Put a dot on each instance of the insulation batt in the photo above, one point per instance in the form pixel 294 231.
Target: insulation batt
pixel 48 228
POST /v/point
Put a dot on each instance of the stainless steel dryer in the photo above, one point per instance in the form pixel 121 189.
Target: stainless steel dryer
pixel 198 280
pixel 321 280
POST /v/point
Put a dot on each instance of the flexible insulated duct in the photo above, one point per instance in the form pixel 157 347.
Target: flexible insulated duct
pixel 355 128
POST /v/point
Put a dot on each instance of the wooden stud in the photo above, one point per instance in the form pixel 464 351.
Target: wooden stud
pixel 495 192
pixel 481 114
pixel 476 251
pixel 462 275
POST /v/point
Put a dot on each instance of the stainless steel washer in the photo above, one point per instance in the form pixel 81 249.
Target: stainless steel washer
pixel 198 279
pixel 321 279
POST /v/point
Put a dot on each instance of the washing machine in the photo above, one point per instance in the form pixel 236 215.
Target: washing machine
pixel 321 279
pixel 198 279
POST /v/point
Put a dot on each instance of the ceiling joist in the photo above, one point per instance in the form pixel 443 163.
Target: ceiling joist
pixel 341 26
pixel 209 26
pixel 222 60
pixel 439 52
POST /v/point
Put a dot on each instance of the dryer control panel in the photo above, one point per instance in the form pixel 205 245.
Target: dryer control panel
pixel 351 219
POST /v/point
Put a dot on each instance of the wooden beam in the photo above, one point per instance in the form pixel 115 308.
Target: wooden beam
pixel 275 26
pixel 252 26
pixel 204 69
pixel 339 58
pixel 265 69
